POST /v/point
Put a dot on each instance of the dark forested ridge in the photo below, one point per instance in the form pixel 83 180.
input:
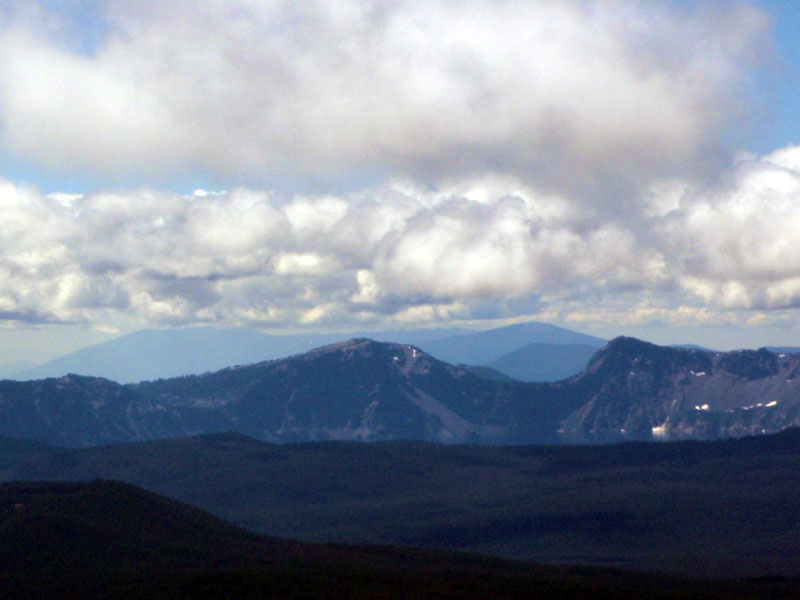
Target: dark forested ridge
pixel 110 540
pixel 703 508
pixel 370 391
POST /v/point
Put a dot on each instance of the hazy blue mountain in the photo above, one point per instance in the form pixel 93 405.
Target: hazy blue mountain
pixel 692 347
pixel 784 349
pixel 482 347
pixel 544 362
pixel 154 353
pixel 11 369
pixel 159 353
pixel 415 337
pixel 485 372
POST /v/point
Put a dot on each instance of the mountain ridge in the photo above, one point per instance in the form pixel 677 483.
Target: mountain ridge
pixel 151 354
pixel 471 348
pixel 369 391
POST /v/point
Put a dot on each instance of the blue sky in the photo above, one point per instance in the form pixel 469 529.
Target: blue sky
pixel 612 166
pixel 782 127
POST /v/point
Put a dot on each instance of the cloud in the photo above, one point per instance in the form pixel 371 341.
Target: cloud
pixel 737 241
pixel 491 247
pixel 469 160
pixel 573 95
pixel 251 257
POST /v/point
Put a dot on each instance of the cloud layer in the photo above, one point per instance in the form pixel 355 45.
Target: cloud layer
pixel 491 248
pixel 472 160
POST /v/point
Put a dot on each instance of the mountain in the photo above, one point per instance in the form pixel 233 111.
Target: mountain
pixel 11 369
pixel 362 390
pixel 154 353
pixel 696 347
pixel 158 353
pixel 482 347
pixel 544 362
pixel 369 391
pixel 784 349
pixel 76 411
pixel 485 372
pixel 635 390
pixel 722 508
pixel 106 539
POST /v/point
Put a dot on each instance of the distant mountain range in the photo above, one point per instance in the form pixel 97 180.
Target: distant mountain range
pixel 153 354
pixel 366 390
pixel 544 362
pixel 482 347
pixel 12 369
pixel 159 353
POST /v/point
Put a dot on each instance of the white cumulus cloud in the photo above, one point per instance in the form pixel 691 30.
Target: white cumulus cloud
pixel 488 248
pixel 738 240
pixel 248 256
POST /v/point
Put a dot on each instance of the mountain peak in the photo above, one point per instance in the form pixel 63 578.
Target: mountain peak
pixel 407 358
pixel 624 355
pixel 362 346
pixel 622 347
pixel 367 390
pixel 351 344
pixel 624 342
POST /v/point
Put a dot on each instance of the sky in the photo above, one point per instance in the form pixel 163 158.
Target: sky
pixel 611 166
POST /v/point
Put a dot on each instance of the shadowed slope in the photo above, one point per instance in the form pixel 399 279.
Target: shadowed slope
pixel 708 508
pixel 110 540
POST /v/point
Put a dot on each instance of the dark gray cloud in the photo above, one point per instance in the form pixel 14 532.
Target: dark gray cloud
pixel 589 98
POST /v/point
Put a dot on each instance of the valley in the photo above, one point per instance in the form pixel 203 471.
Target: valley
pixel 716 508
pixel 89 540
